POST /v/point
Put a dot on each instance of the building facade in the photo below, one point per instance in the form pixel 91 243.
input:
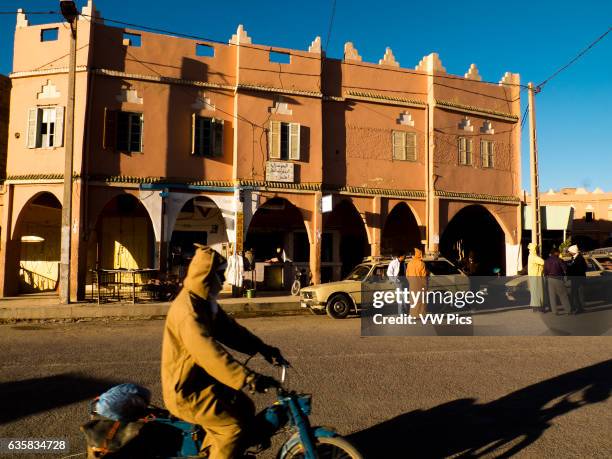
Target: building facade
pixel 241 145
pixel 584 216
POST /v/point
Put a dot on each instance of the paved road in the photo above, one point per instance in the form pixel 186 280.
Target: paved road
pixel 396 397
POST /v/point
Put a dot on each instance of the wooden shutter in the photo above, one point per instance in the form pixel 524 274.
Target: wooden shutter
pixel 469 144
pixel 33 127
pixel 484 153
pixel 58 138
pixel 461 146
pixel 217 138
pixel 294 141
pixel 141 120
pixel 193 133
pixel 109 132
pixel 411 150
pixel 275 140
pixel 491 152
pixel 398 145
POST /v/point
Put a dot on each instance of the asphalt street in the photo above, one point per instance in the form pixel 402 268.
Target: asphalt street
pixel 394 397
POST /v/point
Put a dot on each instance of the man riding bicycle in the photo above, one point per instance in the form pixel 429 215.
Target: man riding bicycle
pixel 201 381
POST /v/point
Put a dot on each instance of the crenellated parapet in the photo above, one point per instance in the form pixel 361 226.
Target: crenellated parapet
pixel 22 19
pixel 315 46
pixel 472 73
pixel 90 12
pixel 388 59
pixel 350 52
pixel 240 37
pixel 510 79
pixel 431 64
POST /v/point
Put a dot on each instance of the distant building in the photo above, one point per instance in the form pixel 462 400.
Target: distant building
pixel 241 145
pixel 585 216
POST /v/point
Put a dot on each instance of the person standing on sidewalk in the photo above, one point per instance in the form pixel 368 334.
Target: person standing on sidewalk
pixel 576 271
pixel 396 272
pixel 535 269
pixel 554 270
pixel 417 279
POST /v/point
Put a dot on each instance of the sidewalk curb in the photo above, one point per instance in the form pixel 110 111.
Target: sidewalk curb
pixel 135 311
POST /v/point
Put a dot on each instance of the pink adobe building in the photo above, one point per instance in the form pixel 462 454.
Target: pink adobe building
pixel 590 216
pixel 250 146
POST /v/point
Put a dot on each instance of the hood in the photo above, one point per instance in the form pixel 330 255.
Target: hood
pixel 533 248
pixel 418 254
pixel 201 278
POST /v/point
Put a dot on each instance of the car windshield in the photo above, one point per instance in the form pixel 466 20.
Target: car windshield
pixel 358 273
pixel 605 262
pixel 441 268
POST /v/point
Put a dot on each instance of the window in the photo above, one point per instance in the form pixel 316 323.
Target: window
pixel 280 58
pixel 206 136
pixel 49 34
pixel 404 146
pixel 45 127
pixel 284 141
pixel 589 216
pixel 465 151
pixel 487 153
pixel 128 136
pixel 204 50
pixel 132 39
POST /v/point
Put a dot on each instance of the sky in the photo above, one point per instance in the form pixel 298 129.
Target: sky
pixel 533 38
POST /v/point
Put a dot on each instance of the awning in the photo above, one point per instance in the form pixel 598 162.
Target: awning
pixel 553 217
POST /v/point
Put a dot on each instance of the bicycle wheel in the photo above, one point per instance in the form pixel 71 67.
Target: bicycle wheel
pixel 327 448
pixel 295 288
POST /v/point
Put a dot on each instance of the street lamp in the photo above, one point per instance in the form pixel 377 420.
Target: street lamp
pixel 69 10
pixel 70 13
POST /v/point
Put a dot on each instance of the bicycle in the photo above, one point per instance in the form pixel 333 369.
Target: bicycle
pixel 168 437
pixel 300 278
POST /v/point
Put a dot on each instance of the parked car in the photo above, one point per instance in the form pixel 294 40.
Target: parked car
pixel 339 299
pixel 599 280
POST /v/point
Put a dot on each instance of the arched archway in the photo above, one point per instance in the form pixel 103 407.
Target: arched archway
pixel 475 229
pixel 123 237
pixel 348 240
pixel 38 237
pixel 400 232
pixel 199 221
pixel 278 223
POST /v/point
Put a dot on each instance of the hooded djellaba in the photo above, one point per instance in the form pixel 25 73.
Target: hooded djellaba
pixel 416 272
pixel 201 380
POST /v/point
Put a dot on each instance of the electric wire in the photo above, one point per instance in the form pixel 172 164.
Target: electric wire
pixel 573 60
pixel 303 55
pixel 331 25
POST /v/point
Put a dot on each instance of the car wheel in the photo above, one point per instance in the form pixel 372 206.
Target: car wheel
pixel 339 306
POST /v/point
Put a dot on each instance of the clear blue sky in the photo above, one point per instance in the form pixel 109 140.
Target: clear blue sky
pixel 574 111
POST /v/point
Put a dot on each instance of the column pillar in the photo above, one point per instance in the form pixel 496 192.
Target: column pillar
pixel 376 226
pixel 315 243
pixel 238 242
pixel 78 248
pixel 8 279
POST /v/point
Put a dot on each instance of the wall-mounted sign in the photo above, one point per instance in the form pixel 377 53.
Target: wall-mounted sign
pixel 327 203
pixel 280 171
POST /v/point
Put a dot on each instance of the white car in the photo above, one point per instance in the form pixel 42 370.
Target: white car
pixel 341 298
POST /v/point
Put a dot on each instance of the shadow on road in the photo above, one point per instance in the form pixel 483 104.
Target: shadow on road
pixel 502 428
pixel 30 396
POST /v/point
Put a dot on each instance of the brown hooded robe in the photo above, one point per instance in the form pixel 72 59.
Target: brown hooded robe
pixel 201 381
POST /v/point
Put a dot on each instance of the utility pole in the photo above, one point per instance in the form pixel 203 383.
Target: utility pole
pixel 70 13
pixel 536 221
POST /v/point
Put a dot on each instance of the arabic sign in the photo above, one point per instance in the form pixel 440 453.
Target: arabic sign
pixel 279 171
